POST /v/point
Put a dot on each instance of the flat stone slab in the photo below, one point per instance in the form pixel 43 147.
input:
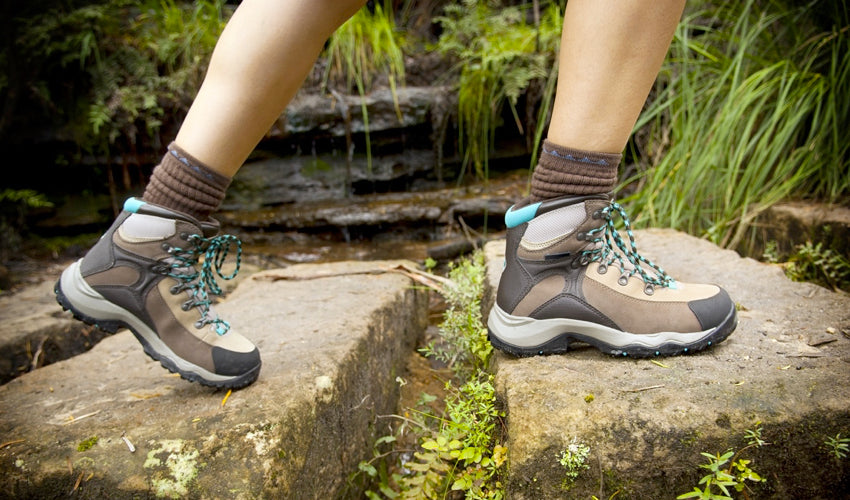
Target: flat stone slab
pixel 333 338
pixel 647 421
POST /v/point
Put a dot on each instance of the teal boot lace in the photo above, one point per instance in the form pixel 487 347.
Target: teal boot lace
pixel 203 283
pixel 609 248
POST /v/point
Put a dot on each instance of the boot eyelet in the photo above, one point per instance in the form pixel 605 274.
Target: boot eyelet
pixel 649 289
pixel 186 306
pixel 199 324
pixel 166 247
pixel 581 236
pixel 598 215
pixel 585 260
pixel 602 269
pixel 184 236
pixel 175 290
pixel 623 280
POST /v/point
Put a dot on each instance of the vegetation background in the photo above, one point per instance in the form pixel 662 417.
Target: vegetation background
pixel 750 108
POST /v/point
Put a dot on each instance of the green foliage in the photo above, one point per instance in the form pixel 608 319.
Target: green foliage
pixel 751 108
pixel 819 265
pixel 460 449
pixel 464 345
pixel 122 65
pixel 366 45
pixel 753 436
pixel 87 444
pixel 15 204
pixel 837 446
pixel 574 460
pixel 23 199
pixel 499 54
pixel 720 478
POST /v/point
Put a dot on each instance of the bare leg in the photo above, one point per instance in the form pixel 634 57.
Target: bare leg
pixel 260 61
pixel 611 51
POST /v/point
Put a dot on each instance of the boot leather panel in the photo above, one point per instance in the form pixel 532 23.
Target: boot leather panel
pixel 635 315
pixel 176 327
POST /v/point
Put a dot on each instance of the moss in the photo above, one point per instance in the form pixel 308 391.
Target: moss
pixel 87 444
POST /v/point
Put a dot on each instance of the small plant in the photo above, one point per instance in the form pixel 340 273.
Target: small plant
pixel 753 436
pixel 721 479
pixel 87 444
pixel 464 345
pixel 837 446
pixel 574 460
pixel 460 449
pixel 717 483
pixel 819 265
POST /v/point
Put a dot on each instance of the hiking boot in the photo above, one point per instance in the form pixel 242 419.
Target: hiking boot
pixel 569 276
pixel 144 274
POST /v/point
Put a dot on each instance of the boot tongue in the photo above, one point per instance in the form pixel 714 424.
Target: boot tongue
pixel 210 227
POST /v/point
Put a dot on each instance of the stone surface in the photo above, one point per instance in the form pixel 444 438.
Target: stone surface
pixel 790 224
pixel 647 421
pixel 409 106
pixel 34 332
pixel 442 206
pixel 333 338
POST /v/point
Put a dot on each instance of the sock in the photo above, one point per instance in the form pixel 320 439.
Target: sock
pixel 184 184
pixel 564 171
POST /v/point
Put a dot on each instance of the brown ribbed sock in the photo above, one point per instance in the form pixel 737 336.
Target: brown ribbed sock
pixel 182 183
pixel 564 171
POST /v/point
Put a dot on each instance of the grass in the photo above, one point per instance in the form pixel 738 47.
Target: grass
pixel 367 45
pixel 751 109
pixel 459 448
pixel 499 54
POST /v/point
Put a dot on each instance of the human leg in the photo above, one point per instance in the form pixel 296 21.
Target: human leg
pixel 569 276
pixel 155 268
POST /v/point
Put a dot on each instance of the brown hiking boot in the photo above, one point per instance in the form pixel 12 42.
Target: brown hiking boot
pixel 144 275
pixel 569 276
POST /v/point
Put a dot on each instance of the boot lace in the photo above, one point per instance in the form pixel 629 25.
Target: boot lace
pixel 201 283
pixel 609 248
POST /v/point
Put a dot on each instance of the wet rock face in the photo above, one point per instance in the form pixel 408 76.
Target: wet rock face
pixel 322 177
pixel 340 114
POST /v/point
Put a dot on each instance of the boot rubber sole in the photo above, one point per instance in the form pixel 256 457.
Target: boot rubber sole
pixel 88 306
pixel 523 336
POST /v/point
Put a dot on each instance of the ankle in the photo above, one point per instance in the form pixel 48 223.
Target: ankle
pixel 566 171
pixel 183 184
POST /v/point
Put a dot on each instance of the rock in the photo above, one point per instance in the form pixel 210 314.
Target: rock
pixel 310 178
pixel 311 113
pixel 647 423
pixel 333 338
pixel 442 206
pixel 789 224
pixel 34 332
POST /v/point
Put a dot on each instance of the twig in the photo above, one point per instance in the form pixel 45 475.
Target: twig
pixel 77 484
pixel 644 388
pixel 10 443
pixel 72 419
pixel 37 354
